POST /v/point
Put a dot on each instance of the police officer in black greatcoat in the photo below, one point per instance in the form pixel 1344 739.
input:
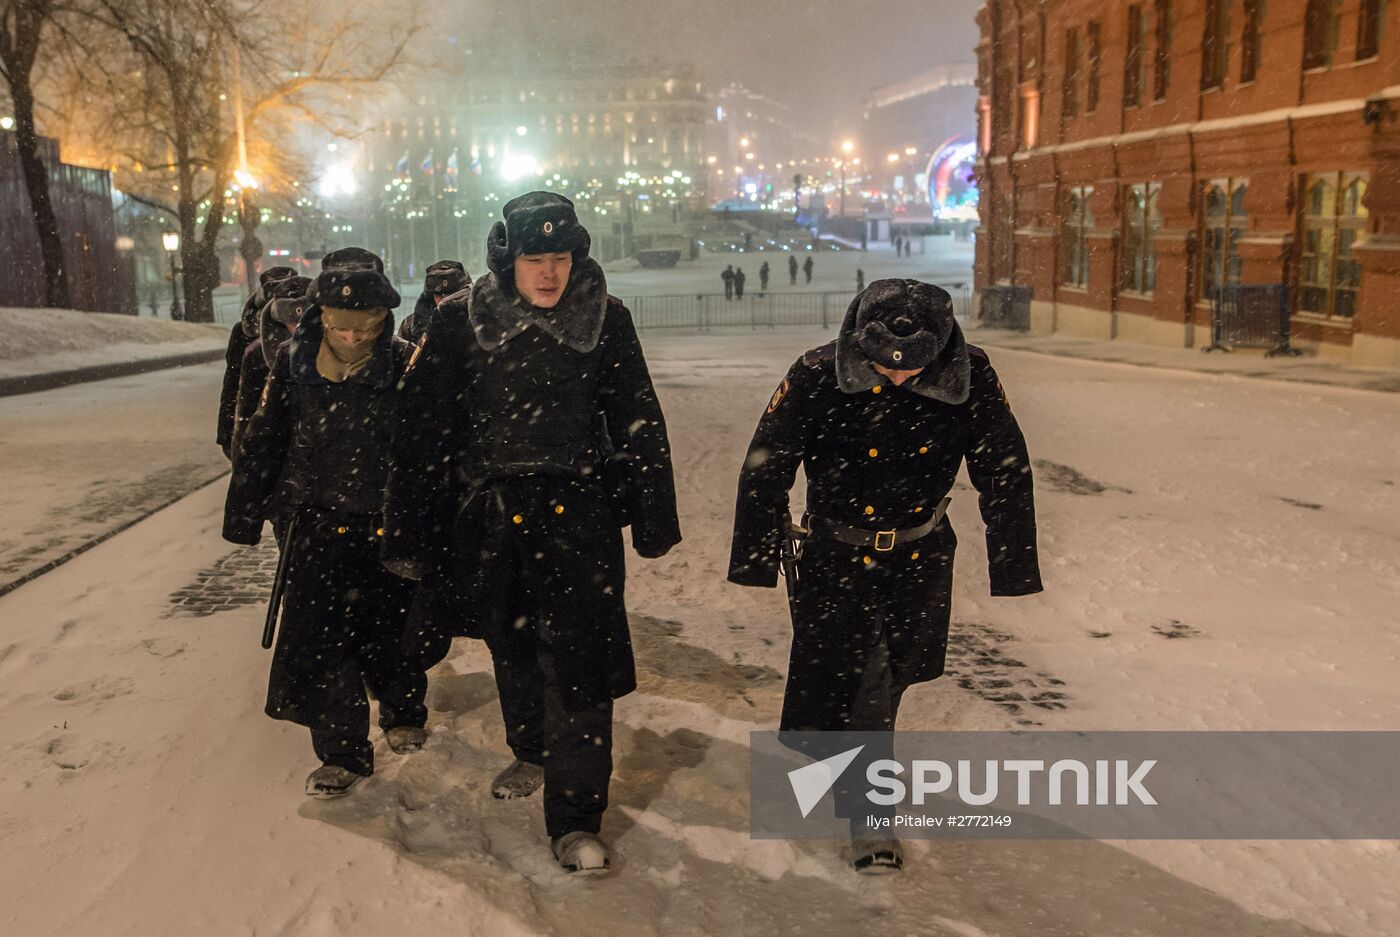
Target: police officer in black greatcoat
pixel 440 281
pixel 243 333
pixel 314 457
pixel 535 432
pixel 880 420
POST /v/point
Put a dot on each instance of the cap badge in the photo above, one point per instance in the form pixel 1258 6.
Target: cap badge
pixel 549 227
pixel 345 291
pixel 898 356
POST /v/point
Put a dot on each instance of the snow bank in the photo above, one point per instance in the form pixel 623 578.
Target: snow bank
pixel 39 341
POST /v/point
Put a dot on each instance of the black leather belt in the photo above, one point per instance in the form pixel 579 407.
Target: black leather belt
pixel 882 541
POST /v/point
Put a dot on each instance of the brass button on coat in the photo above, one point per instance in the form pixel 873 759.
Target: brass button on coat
pixel 517 519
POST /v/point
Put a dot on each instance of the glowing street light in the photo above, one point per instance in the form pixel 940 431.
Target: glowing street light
pixel 244 179
pixel 518 166
pixel 170 240
pixel 847 147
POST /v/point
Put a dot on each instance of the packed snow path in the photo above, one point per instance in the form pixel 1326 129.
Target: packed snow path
pixel 1219 554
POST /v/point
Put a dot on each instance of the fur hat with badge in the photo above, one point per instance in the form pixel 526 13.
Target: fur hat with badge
pixel 260 296
pixel 285 307
pixel 350 258
pixel 445 278
pixel 347 260
pixel 904 325
pixel 354 288
pixel 535 223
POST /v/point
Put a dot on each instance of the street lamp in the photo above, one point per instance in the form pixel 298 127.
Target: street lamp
pixel 170 240
pixel 847 147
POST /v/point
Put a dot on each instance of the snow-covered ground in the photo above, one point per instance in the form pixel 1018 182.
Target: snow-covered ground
pixel 1219 553
pixel 82 460
pixel 38 341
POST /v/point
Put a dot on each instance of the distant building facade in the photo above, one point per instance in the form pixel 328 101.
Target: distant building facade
pixel 906 124
pixel 1135 155
pixel 99 280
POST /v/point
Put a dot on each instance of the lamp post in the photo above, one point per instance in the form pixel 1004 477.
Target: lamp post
pixel 910 189
pixel 847 147
pixel 170 240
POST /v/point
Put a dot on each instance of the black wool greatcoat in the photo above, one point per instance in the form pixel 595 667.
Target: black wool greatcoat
pixel 238 341
pixel 879 457
pixel 532 438
pixel 318 451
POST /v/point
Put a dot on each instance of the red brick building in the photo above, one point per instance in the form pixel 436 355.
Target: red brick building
pixel 1134 155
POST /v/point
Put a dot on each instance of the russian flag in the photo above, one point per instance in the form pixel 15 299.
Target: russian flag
pixel 451 170
pixel 427 166
pixel 401 167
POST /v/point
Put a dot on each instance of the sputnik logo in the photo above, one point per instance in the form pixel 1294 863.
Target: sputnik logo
pixel 811 782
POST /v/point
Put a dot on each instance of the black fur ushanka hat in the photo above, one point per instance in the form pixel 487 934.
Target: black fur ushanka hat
pixel 535 223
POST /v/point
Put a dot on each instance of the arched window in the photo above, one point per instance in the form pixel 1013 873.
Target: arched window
pixel 1335 217
pixel 1074 270
pixel 1224 221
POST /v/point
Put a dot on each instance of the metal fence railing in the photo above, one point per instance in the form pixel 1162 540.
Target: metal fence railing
pixel 705 311
pixel 1250 316
pixel 758 310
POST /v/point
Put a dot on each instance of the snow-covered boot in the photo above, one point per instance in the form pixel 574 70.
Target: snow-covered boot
pixel 877 856
pixel 581 853
pixel 329 781
pixel 520 779
pixel 405 739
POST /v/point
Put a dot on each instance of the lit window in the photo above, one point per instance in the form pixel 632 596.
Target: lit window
pixel 1335 216
pixel 1224 221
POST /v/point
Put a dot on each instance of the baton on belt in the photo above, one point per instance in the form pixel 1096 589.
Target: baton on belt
pixel 279 585
pixel 793 539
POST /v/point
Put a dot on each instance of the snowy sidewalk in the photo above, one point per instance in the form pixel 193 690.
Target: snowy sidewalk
pixel 1306 369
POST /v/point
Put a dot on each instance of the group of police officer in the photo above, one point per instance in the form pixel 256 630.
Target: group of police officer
pixel 471 476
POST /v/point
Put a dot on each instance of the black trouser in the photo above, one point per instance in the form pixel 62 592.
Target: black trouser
pixel 342 632
pixel 573 745
pixel 863 633
pixel 875 709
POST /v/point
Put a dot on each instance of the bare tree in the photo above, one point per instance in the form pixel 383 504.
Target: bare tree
pixel 170 114
pixel 23 28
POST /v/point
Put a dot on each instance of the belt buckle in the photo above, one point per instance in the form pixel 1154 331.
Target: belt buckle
pixel 888 544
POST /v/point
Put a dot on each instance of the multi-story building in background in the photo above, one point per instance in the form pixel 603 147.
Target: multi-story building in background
pixel 627 142
pixel 1134 156
pixel 756 146
pixel 911 125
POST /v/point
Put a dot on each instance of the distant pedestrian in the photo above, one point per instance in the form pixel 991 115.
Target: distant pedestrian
pixel 728 277
pixel 860 281
pixel 763 272
pixel 898 245
pixel 792 269
pixel 807 269
pixel 739 283
pixel 908 247
pixel 864 239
